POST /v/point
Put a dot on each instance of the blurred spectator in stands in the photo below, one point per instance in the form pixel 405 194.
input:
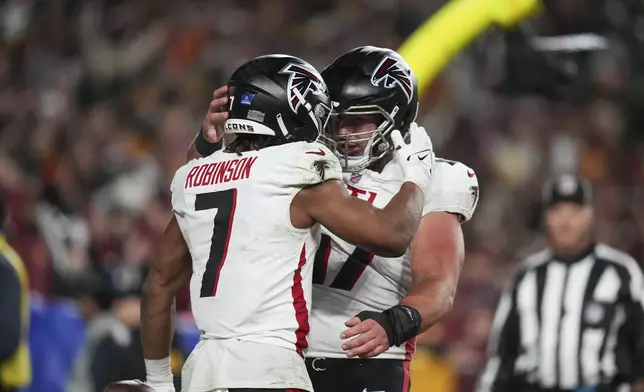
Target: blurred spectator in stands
pixel 112 348
pixel 464 335
pixel 15 368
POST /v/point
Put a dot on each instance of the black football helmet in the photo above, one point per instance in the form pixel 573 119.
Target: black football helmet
pixel 370 81
pixel 280 96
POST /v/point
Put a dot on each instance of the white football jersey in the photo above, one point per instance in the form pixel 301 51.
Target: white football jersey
pixel 251 273
pixel 348 280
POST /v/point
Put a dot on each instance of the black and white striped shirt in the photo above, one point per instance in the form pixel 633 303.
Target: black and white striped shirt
pixel 561 325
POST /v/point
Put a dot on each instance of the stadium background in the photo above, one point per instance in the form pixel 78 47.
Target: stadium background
pixel 100 100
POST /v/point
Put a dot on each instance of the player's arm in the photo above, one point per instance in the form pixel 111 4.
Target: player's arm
pixel 438 249
pixel 208 140
pixel 437 254
pixel 386 232
pixel 169 272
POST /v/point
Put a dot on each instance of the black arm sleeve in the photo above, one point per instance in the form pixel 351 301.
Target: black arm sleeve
pixel 206 148
pixel 10 322
pixel 503 350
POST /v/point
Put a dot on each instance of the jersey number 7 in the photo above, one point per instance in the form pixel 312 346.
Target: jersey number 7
pixel 224 202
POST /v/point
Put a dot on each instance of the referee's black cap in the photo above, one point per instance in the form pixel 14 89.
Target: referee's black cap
pixel 567 188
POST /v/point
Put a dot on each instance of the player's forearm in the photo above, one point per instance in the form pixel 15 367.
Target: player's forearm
pixel 157 308
pixel 433 298
pixel 402 215
pixel 437 254
pixel 385 232
pixel 170 271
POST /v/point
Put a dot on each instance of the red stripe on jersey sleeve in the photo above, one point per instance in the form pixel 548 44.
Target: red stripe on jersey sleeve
pixel 410 349
pixel 299 304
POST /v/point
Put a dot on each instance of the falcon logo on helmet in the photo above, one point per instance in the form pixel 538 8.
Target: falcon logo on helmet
pixel 392 72
pixel 302 80
pixel 474 190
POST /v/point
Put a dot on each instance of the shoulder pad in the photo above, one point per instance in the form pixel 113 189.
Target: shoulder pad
pixel 315 163
pixel 453 188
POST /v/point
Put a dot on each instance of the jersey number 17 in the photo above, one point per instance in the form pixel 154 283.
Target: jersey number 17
pixel 350 272
pixel 355 264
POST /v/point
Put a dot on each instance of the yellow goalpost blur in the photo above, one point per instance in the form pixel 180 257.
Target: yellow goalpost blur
pixel 454 26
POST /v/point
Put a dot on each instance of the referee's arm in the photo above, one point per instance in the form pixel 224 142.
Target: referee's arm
pixel 503 347
pixel 9 310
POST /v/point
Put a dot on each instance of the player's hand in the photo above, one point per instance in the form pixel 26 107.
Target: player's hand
pixel 212 125
pixel 371 341
pixel 416 158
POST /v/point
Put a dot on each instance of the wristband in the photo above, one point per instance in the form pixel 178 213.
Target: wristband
pixel 158 371
pixel 419 182
pixel 204 147
pixel 419 175
pixel 400 322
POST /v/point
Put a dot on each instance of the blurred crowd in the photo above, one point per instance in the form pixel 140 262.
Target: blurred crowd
pixel 99 101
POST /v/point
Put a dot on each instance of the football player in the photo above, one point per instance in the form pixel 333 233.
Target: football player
pixel 376 312
pixel 367 310
pixel 242 230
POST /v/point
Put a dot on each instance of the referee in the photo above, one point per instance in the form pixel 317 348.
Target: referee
pixel 572 317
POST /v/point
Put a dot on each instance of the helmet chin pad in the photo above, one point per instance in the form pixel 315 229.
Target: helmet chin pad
pixel 355 163
pixel 378 144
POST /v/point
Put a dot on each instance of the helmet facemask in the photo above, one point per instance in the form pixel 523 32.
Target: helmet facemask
pixel 377 140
